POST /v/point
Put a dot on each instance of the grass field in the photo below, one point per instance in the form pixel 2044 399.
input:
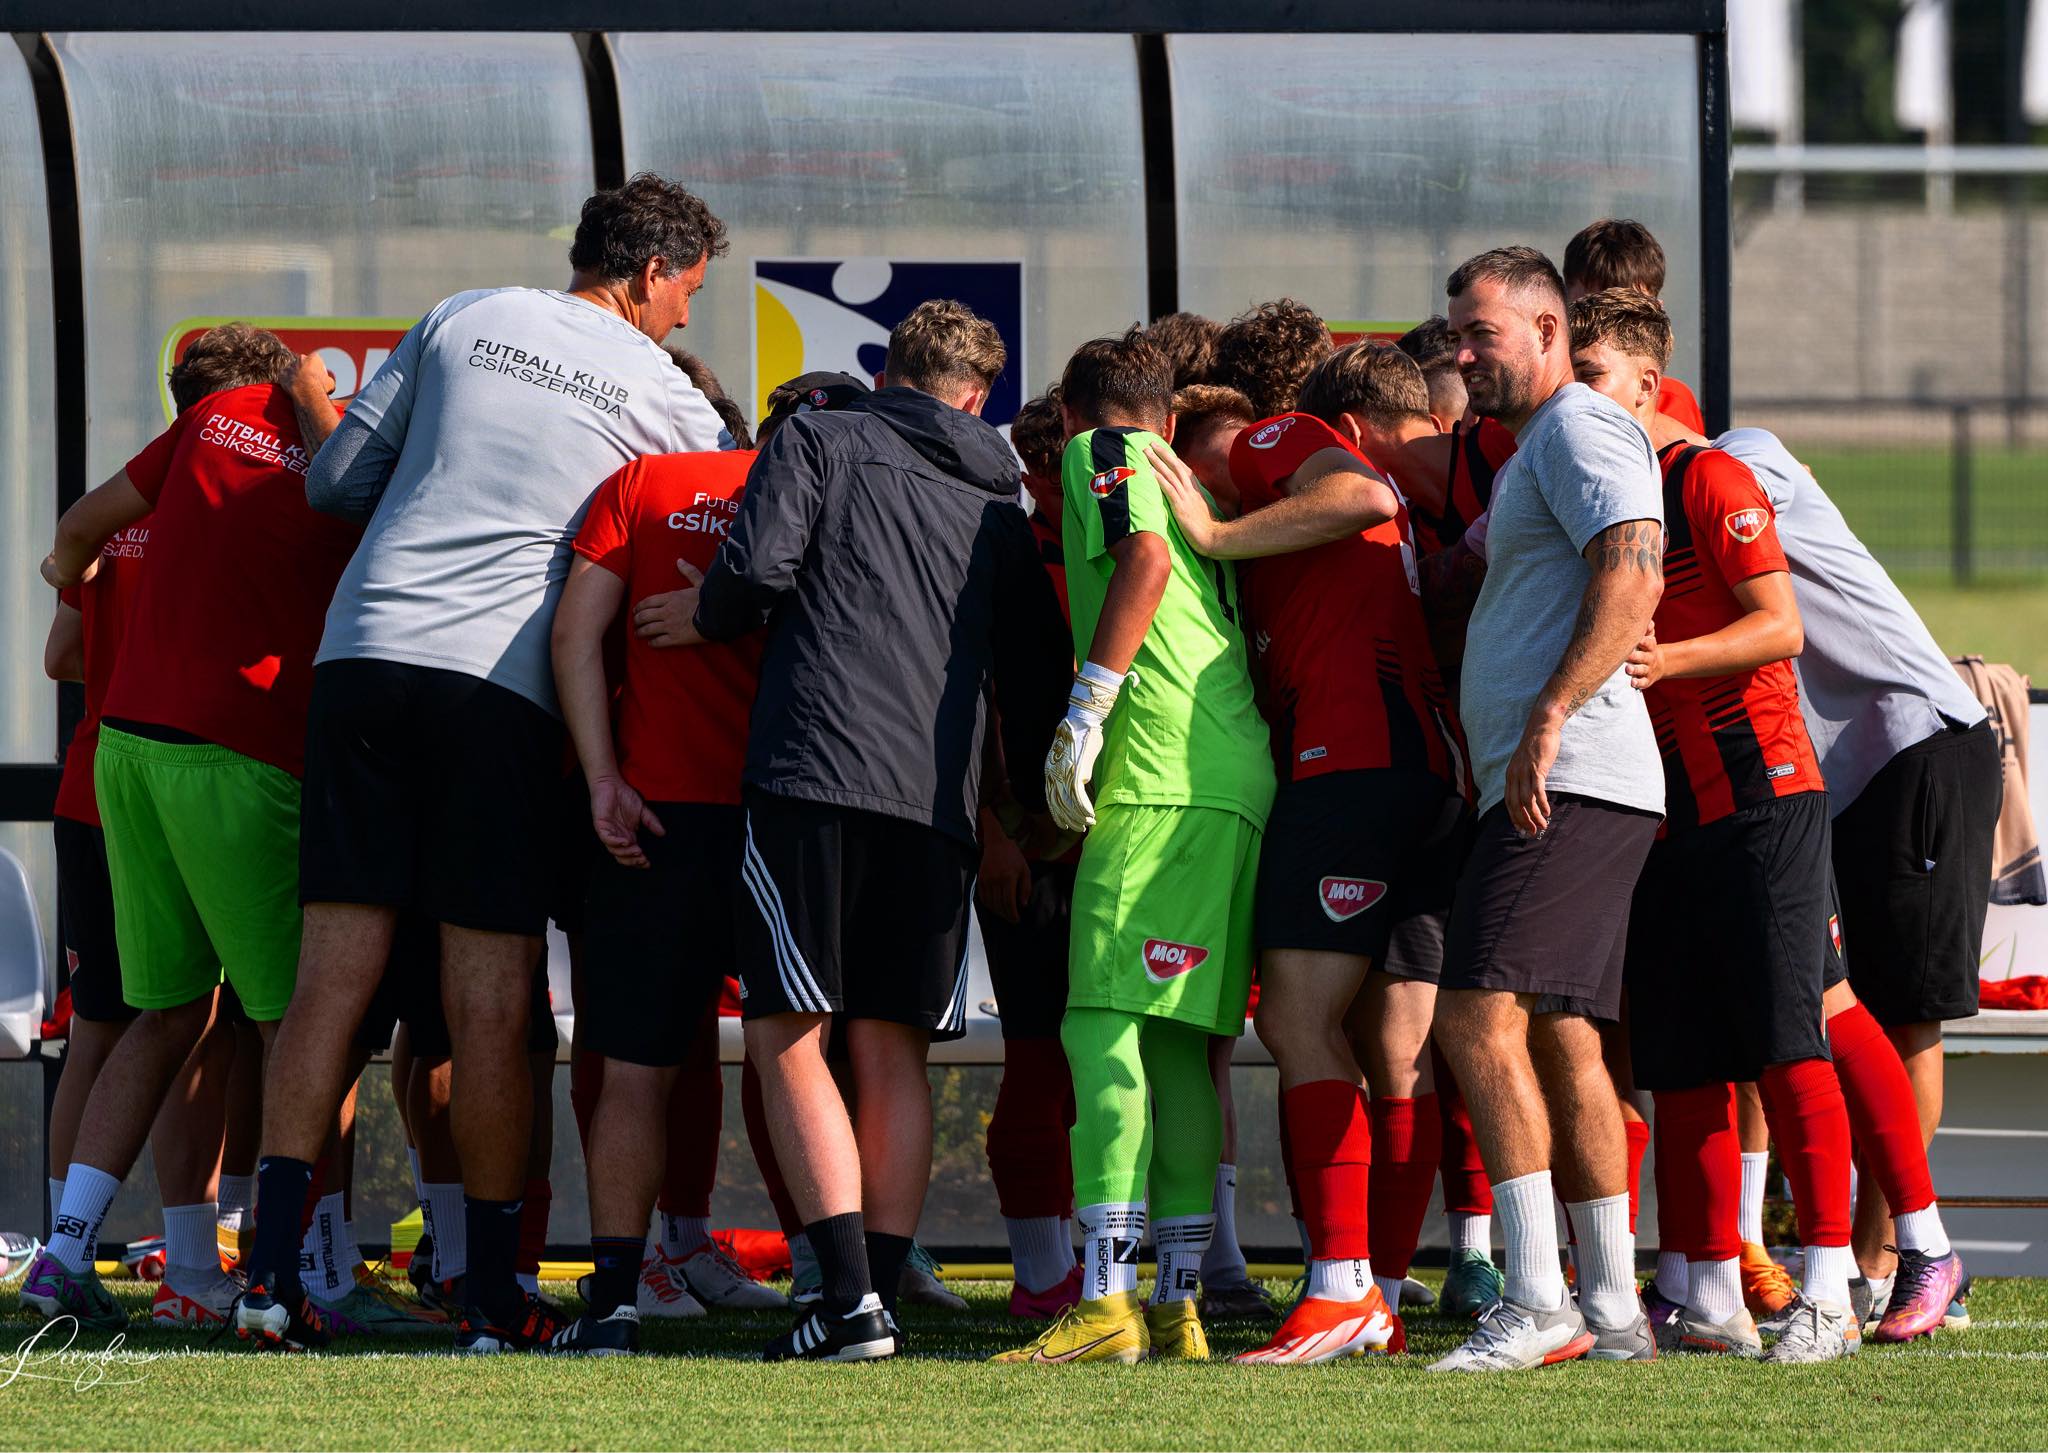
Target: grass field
pixel 1981 1388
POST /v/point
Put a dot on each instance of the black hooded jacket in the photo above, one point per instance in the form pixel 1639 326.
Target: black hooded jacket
pixel 883 548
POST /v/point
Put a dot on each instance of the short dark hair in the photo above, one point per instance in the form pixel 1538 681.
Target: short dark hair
pixel 1039 434
pixel 943 344
pixel 1125 375
pixel 1376 381
pixel 722 403
pixel 1265 353
pixel 1189 342
pixel 623 228
pixel 1626 318
pixel 232 355
pixel 1435 350
pixel 1513 267
pixel 1205 405
pixel 1615 252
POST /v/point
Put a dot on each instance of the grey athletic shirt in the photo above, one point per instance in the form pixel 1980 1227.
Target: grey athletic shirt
pixel 1581 464
pixel 472 454
pixel 1872 682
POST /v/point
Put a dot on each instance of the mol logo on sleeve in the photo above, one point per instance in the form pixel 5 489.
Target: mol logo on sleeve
pixel 352 348
pixel 813 313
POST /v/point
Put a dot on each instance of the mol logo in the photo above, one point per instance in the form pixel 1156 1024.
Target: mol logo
pixel 1105 483
pixel 352 348
pixel 1267 435
pixel 1165 959
pixel 1746 525
pixel 835 313
pixel 1348 897
pixel 1835 932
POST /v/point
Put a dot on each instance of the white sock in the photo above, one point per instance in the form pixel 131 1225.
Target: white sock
pixel 1528 1220
pixel 1750 1216
pixel 1307 1251
pixel 1180 1242
pixel 1042 1250
pixel 192 1241
pixel 1223 1265
pixel 76 1230
pixel 1825 1277
pixel 1471 1231
pixel 444 1216
pixel 326 1264
pixel 56 1199
pixel 1714 1288
pixel 1922 1231
pixel 236 1195
pixel 1606 1261
pixel 1672 1279
pixel 1110 1236
pixel 681 1235
pixel 1390 1289
pixel 529 1280
pixel 1340 1279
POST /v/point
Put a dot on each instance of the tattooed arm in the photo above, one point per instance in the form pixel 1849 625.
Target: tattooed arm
pixel 1620 600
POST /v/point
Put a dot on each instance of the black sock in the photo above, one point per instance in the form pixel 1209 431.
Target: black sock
pixel 886 1255
pixel 615 1279
pixel 281 1188
pixel 493 1285
pixel 842 1250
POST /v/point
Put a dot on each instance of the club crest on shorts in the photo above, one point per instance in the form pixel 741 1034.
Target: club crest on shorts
pixel 1107 482
pixel 1835 932
pixel 1746 525
pixel 1348 897
pixel 1267 435
pixel 1165 959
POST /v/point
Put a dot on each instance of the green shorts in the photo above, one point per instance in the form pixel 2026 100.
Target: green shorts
pixel 1163 915
pixel 203 850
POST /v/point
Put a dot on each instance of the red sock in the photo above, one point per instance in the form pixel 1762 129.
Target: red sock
pixel 1638 1134
pixel 1882 1112
pixel 1287 1161
pixel 1803 1103
pixel 1331 1133
pixel 696 1116
pixel 1029 1158
pixel 586 1083
pixel 1467 1191
pixel 533 1226
pixel 1407 1138
pixel 756 1115
pixel 1699 1173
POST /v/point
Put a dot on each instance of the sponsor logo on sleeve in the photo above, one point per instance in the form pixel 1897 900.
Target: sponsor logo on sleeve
pixel 1267 435
pixel 1348 897
pixel 1746 525
pixel 1835 932
pixel 1165 959
pixel 1109 481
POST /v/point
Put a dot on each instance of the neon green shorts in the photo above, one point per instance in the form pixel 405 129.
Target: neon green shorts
pixel 1163 915
pixel 203 850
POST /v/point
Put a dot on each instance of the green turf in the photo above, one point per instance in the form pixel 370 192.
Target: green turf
pixel 1901 503
pixel 2000 622
pixel 1977 1389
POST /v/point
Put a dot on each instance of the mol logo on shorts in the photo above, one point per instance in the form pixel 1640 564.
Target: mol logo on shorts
pixel 1269 435
pixel 1165 959
pixel 1348 897
pixel 1746 525
pixel 1106 483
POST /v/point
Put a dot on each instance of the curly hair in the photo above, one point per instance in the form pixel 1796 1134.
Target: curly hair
pixel 1039 435
pixel 1266 353
pixel 232 355
pixel 942 344
pixel 1189 342
pixel 623 228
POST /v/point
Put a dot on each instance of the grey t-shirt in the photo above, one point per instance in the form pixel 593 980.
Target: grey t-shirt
pixel 1872 682
pixel 472 454
pixel 1581 464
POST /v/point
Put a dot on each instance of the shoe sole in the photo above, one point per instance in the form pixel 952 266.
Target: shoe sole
pixel 863 1351
pixel 1583 1345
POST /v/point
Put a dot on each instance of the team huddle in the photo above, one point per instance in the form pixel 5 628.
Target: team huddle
pixel 1515 757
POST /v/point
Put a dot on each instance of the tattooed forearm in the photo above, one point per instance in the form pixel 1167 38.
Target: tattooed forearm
pixel 1621 597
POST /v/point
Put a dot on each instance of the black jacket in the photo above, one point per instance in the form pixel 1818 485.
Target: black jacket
pixel 883 548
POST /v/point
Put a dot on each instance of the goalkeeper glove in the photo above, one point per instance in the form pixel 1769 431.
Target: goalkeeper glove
pixel 1076 744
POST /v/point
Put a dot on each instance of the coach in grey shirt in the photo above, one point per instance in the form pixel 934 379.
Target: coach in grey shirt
pixel 1571 788
pixel 435 764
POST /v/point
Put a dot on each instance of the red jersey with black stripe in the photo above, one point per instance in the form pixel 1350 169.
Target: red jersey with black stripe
pixel 1053 556
pixel 1448 480
pixel 1734 741
pixel 1341 655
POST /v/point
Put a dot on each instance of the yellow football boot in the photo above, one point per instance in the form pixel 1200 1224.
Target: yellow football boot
pixel 1096 1329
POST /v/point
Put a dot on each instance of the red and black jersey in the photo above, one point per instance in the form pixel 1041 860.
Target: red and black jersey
pixel 1449 480
pixel 1341 656
pixel 1676 401
pixel 1735 741
pixel 1053 556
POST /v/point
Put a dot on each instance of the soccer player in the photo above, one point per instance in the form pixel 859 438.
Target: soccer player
pixel 1733 994
pixel 1189 342
pixel 1435 351
pixel 1162 721
pixel 201 743
pixel 1265 353
pixel 879 546
pixel 1618 253
pixel 1370 764
pixel 1569 788
pixel 434 748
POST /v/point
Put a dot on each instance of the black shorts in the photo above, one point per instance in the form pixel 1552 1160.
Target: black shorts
pixel 1344 863
pixel 576 854
pixel 658 941
pixel 1548 915
pixel 410 994
pixel 1027 960
pixel 1732 935
pixel 853 913
pixel 85 919
pixel 1913 864
pixel 432 791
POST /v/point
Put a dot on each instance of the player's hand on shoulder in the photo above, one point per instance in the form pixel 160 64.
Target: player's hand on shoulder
pixel 310 379
pixel 1184 497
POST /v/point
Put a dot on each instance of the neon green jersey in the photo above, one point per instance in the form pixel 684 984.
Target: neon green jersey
pixel 1187 731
